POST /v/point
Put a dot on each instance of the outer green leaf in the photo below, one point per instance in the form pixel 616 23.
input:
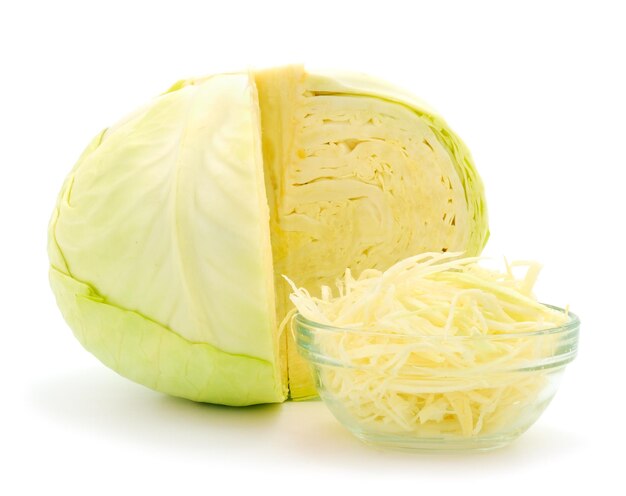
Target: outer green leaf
pixel 171 201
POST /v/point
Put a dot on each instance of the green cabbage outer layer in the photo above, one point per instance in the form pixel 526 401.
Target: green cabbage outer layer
pixel 171 201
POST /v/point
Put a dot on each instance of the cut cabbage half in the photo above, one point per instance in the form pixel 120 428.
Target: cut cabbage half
pixel 170 234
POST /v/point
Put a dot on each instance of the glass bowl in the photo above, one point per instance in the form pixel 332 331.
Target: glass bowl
pixel 436 392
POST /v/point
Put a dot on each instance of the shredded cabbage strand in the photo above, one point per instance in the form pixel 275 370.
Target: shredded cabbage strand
pixel 437 344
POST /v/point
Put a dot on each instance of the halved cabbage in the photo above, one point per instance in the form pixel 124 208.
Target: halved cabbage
pixel 172 231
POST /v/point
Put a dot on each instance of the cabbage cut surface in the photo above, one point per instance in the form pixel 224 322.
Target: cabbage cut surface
pixel 367 178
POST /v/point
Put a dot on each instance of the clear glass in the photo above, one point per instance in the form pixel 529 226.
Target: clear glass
pixel 435 392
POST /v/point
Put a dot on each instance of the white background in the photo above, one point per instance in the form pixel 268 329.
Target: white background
pixel 537 91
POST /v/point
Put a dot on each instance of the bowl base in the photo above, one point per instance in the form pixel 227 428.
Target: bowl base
pixel 441 444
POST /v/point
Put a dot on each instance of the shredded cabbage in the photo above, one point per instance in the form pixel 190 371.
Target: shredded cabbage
pixel 437 345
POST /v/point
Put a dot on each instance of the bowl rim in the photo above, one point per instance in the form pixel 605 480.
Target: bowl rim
pixel 573 324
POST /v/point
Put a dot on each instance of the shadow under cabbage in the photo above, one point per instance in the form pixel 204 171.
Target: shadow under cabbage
pixel 102 404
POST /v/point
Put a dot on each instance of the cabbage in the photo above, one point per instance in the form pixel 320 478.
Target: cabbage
pixel 171 233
